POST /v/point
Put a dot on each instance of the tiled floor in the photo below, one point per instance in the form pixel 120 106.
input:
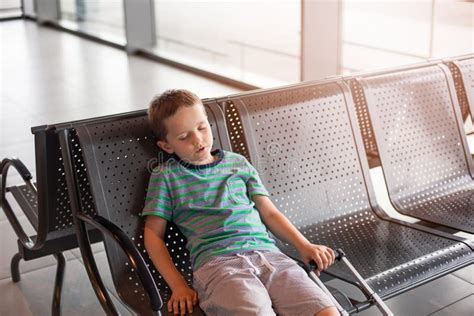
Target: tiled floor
pixel 48 76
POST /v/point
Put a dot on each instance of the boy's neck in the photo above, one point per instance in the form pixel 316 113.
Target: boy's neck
pixel 216 155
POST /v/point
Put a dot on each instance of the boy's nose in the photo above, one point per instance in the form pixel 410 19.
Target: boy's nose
pixel 196 140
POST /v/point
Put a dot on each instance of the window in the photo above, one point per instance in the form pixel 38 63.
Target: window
pixel 257 42
pixel 10 8
pixel 100 18
pixel 381 34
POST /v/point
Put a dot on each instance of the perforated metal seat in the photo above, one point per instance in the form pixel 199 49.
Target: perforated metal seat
pixel 307 148
pixel 115 156
pixel 422 145
pixel 28 202
pixel 463 74
pixel 46 206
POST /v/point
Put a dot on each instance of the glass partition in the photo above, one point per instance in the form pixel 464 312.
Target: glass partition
pixel 100 18
pixel 257 42
pixel 381 34
pixel 10 9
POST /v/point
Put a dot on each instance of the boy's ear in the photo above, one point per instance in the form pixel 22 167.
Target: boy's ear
pixel 165 146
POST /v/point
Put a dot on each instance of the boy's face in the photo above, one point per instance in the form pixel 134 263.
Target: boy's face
pixel 189 135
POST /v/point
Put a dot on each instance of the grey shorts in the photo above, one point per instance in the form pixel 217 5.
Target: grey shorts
pixel 257 283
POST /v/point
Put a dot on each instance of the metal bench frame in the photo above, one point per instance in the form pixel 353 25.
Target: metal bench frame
pixel 146 282
pixel 46 207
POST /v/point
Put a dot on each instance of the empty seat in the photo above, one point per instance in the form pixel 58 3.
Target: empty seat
pixel 422 145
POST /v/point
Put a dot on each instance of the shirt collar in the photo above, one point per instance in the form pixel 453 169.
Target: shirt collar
pixel 218 152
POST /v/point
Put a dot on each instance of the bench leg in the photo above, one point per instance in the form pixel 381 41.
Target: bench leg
pixel 15 267
pixel 58 284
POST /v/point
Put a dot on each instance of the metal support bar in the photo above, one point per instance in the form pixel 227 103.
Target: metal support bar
pixel 328 293
pixel 374 296
pixel 15 267
pixel 368 291
pixel 139 24
pixel 47 10
pixel 58 284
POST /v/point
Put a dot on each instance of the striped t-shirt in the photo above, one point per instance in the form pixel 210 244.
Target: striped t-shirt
pixel 211 205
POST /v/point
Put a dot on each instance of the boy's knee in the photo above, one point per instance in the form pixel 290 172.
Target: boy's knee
pixel 330 311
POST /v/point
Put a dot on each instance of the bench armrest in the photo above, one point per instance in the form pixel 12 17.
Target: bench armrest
pixel 133 254
pixel 5 205
pixel 19 166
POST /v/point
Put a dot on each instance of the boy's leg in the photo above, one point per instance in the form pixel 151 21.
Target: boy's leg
pixel 228 286
pixel 292 291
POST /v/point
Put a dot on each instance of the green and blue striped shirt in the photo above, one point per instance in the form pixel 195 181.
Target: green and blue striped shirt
pixel 211 205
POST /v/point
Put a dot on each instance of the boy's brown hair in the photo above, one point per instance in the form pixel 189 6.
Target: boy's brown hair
pixel 165 105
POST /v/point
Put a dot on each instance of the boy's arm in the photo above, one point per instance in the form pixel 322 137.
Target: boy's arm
pixel 284 230
pixel 183 297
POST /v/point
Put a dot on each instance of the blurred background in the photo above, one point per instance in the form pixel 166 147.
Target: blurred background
pixel 266 43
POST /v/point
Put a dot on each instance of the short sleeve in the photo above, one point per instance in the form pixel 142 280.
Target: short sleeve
pixel 158 197
pixel 254 183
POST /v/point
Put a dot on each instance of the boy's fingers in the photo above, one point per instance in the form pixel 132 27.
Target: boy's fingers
pixel 333 256
pixel 189 303
pixel 330 254
pixel 328 258
pixel 319 262
pixel 195 298
pixel 325 261
pixel 182 306
pixel 175 307
pixel 170 306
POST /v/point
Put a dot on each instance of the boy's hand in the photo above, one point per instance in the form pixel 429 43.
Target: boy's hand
pixel 182 299
pixel 322 255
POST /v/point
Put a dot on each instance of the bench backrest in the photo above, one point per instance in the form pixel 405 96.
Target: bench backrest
pixel 362 112
pixel 303 144
pixel 53 199
pixel 119 154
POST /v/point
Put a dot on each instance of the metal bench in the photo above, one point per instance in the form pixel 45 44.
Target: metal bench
pixel 45 205
pixel 422 145
pixel 306 145
pixel 115 156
